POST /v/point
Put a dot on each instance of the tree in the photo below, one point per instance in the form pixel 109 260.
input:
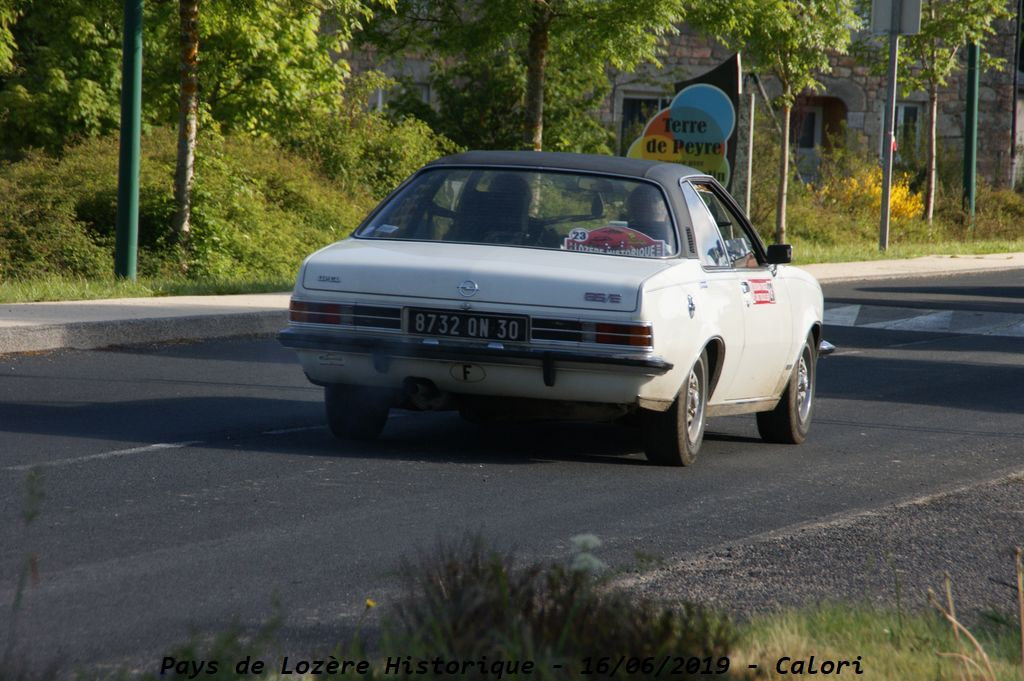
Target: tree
pixel 188 109
pixel 791 39
pixel 265 64
pixel 533 47
pixel 9 10
pixel 927 59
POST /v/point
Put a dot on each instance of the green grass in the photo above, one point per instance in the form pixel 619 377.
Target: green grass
pixel 892 647
pixel 807 252
pixel 56 288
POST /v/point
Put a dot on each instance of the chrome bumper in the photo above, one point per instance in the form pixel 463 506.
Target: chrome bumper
pixel 383 349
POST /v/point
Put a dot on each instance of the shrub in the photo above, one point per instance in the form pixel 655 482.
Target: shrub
pixel 863 191
pixel 40 231
pixel 364 151
pixel 257 210
pixel 368 154
pixel 470 602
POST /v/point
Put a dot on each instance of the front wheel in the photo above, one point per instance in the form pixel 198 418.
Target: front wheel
pixel 355 414
pixel 673 437
pixel 790 421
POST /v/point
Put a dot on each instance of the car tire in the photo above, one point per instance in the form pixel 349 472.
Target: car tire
pixel 673 437
pixel 355 414
pixel 790 421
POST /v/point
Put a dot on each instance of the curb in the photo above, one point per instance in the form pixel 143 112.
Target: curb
pixel 101 334
pixel 930 266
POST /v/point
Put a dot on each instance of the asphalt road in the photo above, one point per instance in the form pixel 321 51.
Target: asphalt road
pixel 188 487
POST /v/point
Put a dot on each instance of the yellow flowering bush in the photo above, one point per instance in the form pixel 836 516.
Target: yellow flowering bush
pixel 863 189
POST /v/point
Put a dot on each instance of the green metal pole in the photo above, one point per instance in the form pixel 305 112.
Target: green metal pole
pixel 971 133
pixel 126 245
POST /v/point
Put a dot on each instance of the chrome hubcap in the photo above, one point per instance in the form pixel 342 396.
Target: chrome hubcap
pixel 694 407
pixel 803 388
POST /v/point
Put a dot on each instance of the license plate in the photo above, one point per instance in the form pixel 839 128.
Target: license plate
pixel 424 322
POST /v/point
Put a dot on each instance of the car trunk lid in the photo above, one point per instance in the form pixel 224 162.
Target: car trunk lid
pixel 481 274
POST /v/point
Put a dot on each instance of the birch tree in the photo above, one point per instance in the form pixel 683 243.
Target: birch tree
pixel 929 58
pixel 188 108
pixel 791 40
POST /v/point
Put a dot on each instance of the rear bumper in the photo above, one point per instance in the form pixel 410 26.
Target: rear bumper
pixel 384 348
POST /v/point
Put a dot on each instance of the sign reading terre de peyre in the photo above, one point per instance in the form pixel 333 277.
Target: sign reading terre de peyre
pixel 698 128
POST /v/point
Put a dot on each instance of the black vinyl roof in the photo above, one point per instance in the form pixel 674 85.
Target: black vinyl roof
pixel 659 171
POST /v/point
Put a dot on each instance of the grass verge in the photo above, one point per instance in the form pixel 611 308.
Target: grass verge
pixel 806 252
pixel 64 288
pixel 892 646
pixel 58 288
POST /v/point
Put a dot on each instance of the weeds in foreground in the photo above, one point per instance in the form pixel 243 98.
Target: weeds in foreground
pixel 469 603
pixel 974 661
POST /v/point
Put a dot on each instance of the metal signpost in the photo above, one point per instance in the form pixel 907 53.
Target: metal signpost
pixel 895 18
pixel 127 239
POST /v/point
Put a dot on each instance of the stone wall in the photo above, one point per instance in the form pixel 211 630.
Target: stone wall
pixel 688 54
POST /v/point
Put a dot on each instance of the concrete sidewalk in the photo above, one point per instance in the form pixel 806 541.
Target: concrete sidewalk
pixel 36 327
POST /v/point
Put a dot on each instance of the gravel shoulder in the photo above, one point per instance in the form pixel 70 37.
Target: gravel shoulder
pixel 885 558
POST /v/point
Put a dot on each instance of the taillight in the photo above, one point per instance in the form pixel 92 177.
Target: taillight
pixel 638 335
pixel 314 313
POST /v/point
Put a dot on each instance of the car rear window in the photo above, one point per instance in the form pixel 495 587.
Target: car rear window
pixel 540 209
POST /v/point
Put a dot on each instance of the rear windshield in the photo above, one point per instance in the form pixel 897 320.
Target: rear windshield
pixel 553 210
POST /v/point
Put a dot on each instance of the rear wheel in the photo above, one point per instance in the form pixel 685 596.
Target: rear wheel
pixel 355 414
pixel 673 437
pixel 790 421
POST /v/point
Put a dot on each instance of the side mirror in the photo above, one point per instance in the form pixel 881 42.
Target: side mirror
pixel 780 254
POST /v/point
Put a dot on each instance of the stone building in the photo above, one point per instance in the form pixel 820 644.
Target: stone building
pixel 854 96
pixel 851 95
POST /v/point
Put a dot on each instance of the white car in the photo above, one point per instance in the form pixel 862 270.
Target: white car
pixel 548 285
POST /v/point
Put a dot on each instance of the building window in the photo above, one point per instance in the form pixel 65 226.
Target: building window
pixel 636 111
pixel 805 127
pixel 908 128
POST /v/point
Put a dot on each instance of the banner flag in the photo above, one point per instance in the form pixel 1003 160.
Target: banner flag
pixel 698 128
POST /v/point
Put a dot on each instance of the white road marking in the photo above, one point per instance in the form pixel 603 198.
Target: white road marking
pixel 928 321
pixel 932 321
pixel 844 315
pixel 160 446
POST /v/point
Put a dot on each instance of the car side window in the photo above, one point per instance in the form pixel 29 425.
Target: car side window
pixel 710 245
pixel 737 243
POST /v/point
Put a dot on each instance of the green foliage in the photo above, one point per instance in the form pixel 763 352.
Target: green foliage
pixel 39 229
pixel 825 229
pixel 263 64
pixel 258 210
pixel 364 151
pixel 66 77
pixel 791 39
pixel 928 58
pixel 9 11
pixel 479 53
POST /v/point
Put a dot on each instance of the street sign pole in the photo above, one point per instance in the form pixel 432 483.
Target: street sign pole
pixel 889 125
pixel 971 133
pixel 127 239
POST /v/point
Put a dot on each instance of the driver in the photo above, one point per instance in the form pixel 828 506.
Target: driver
pixel 646 212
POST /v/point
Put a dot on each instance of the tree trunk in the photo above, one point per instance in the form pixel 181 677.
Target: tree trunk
pixel 188 103
pixel 780 205
pixel 536 62
pixel 932 172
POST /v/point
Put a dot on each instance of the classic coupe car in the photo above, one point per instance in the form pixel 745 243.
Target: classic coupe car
pixel 550 285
